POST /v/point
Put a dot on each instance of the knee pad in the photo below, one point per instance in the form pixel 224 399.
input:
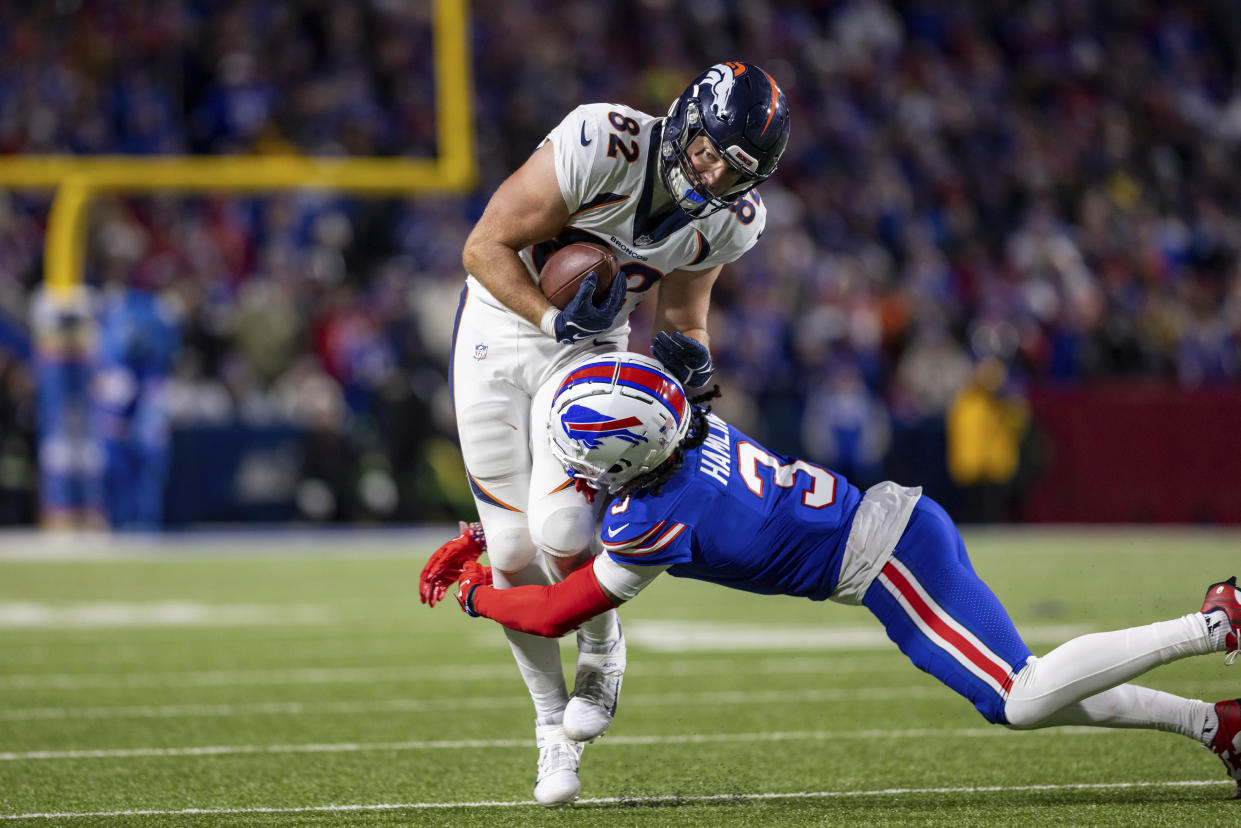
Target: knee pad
pixel 510 549
pixel 563 530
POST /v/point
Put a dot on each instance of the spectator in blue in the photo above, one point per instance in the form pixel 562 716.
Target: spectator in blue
pixel 138 340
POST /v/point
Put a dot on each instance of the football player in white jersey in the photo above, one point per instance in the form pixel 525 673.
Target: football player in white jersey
pixel 674 199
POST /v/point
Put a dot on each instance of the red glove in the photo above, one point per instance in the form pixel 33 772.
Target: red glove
pixel 588 489
pixel 473 575
pixel 444 567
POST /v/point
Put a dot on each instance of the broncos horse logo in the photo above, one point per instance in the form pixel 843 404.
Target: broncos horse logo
pixel 590 427
pixel 720 79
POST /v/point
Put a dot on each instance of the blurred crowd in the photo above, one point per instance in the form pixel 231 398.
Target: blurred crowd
pixel 977 196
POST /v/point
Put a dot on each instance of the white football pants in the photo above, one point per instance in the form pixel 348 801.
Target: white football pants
pixel 526 501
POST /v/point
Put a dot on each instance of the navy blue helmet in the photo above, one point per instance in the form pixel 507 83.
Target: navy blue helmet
pixel 741 110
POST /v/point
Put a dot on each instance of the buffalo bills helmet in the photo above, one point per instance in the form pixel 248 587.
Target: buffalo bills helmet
pixel 742 111
pixel 616 416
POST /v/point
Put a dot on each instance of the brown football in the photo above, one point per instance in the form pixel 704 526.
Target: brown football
pixel 565 269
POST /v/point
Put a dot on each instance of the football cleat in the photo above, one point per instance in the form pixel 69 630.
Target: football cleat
pixel 596 690
pixel 1227 742
pixel 559 758
pixel 1226 596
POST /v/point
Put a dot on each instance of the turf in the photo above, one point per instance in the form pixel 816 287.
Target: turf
pixel 270 680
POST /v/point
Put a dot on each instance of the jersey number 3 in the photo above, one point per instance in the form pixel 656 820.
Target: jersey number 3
pixel 819 494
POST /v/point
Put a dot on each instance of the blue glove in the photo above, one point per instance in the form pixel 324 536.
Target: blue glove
pixel 686 358
pixel 582 319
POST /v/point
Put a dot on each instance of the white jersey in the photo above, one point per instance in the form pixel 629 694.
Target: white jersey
pixel 607 166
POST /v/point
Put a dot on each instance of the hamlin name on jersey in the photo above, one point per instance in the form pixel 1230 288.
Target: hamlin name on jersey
pixel 740 516
pixel 607 167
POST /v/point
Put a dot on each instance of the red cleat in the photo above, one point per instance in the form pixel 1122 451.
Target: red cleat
pixel 1227 597
pixel 1227 742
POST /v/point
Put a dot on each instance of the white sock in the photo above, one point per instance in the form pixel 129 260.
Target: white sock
pixel 1090 664
pixel 599 634
pixel 1134 706
pixel 1209 726
pixel 538 658
pixel 1218 627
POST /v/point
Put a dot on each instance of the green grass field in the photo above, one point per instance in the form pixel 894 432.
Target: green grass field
pixel 296 680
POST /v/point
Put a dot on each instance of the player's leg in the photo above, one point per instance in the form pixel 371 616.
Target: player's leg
pixel 943 617
pixel 1121 654
pixel 951 625
pixel 514 562
pixel 563 525
pixel 601 656
pixel 494 429
pixel 538 660
pixel 1217 726
pixel 1083 680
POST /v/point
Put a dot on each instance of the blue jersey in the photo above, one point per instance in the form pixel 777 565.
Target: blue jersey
pixel 740 516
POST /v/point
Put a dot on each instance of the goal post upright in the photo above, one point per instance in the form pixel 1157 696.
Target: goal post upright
pixel 76 179
pixel 60 337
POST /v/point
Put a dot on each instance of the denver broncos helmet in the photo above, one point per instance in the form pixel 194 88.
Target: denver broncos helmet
pixel 741 109
pixel 616 416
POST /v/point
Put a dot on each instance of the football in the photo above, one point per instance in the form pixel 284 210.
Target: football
pixel 565 269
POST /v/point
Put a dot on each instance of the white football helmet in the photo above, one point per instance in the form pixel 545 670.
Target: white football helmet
pixel 616 416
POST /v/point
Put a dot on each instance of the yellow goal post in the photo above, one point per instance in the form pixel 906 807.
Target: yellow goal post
pixel 76 179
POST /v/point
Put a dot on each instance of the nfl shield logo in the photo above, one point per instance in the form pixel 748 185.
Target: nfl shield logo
pixel 480 351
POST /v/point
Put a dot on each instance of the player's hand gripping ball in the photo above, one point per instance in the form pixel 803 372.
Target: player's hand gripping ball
pixel 580 280
pixel 565 270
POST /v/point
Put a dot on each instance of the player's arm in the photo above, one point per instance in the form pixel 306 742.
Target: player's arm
pixel 552 611
pixel 527 208
pixel 683 302
pixel 681 342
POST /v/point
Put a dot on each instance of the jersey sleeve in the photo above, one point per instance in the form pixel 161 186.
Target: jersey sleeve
pixel 624 581
pixel 576 142
pixel 635 533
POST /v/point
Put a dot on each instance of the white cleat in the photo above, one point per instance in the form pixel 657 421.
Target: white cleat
pixel 596 690
pixel 559 757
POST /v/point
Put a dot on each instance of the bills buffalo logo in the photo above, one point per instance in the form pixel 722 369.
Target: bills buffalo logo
pixel 590 427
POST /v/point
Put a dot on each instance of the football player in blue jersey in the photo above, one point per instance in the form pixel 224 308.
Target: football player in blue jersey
pixel 675 199
pixel 700 499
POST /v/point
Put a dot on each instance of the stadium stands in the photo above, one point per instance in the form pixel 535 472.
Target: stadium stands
pixel 1048 184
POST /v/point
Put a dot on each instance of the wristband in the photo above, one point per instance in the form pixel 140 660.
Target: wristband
pixel 548 323
pixel 469 602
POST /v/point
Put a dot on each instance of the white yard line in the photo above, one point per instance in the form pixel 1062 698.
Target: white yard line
pixel 229 678
pixel 471 744
pixel 36 547
pixel 96 615
pixel 647 801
